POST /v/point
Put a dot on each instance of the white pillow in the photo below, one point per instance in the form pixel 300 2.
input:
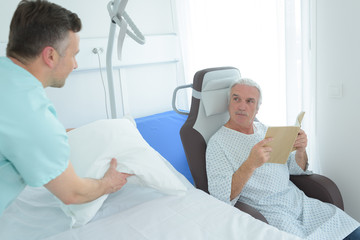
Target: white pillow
pixel 92 147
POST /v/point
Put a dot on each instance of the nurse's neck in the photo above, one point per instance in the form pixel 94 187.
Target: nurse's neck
pixel 33 67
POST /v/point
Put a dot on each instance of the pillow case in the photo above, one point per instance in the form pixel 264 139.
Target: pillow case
pixel 93 146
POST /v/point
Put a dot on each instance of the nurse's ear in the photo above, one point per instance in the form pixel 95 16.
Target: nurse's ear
pixel 50 56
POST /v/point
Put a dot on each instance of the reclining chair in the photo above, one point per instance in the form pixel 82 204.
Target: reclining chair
pixel 208 112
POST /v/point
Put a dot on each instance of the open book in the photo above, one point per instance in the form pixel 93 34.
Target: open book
pixel 283 140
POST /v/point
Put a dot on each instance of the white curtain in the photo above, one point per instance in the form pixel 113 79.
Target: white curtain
pixel 300 77
pixel 247 34
pixel 268 41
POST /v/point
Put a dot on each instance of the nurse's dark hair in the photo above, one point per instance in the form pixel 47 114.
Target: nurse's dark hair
pixel 38 24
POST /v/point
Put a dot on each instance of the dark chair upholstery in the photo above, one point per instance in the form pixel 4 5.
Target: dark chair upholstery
pixel 199 127
pixel 319 187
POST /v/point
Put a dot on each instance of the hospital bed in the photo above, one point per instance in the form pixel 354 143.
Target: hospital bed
pixel 137 211
pixel 159 202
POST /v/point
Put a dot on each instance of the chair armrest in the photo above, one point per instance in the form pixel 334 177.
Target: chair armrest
pixel 315 186
pixel 250 210
pixel 319 187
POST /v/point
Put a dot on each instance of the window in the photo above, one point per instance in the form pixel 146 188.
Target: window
pixel 268 41
pixel 248 35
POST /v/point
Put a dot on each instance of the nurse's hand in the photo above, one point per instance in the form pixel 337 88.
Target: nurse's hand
pixel 113 179
pixel 72 189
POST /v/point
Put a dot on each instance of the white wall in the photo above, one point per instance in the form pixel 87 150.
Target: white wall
pixel 338 117
pixel 145 77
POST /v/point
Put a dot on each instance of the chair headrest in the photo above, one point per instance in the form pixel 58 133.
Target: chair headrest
pixel 211 87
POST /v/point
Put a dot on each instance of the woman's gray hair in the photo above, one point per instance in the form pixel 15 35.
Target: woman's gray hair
pixel 247 82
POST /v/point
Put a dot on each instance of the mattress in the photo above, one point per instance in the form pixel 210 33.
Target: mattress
pixel 137 211
pixel 134 212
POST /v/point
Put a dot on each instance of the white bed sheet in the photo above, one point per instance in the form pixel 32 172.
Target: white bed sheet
pixel 135 212
pixel 37 214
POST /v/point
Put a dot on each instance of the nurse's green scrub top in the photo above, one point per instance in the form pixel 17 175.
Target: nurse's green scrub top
pixel 33 143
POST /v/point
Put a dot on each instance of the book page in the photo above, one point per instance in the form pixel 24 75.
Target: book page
pixel 299 119
pixel 283 140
